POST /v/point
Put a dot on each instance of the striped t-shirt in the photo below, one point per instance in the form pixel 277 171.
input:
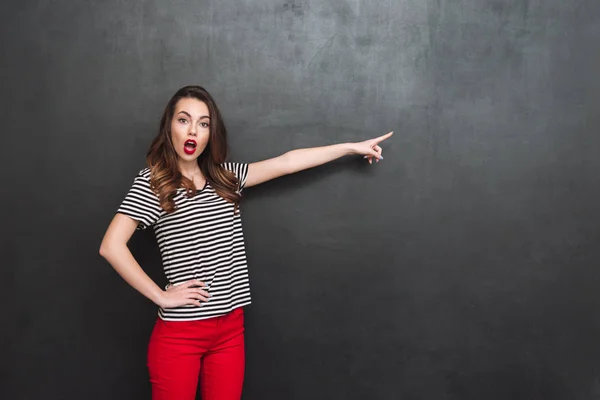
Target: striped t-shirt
pixel 202 240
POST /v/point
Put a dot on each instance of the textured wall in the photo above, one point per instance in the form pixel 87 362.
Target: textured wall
pixel 464 266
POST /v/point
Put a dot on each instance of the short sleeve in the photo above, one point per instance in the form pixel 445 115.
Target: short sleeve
pixel 141 203
pixel 240 170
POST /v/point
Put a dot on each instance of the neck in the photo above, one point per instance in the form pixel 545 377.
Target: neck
pixel 189 168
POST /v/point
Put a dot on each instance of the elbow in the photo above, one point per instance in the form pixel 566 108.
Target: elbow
pixel 287 165
pixel 104 249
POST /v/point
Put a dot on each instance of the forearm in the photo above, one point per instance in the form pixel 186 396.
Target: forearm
pixel 121 259
pixel 301 159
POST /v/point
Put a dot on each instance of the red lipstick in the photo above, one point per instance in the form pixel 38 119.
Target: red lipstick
pixel 189 146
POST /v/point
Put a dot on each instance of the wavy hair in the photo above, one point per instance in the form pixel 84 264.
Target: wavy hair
pixel 165 176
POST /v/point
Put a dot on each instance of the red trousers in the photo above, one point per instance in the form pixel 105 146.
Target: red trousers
pixel 180 352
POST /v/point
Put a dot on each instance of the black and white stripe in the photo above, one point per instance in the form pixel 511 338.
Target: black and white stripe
pixel 202 239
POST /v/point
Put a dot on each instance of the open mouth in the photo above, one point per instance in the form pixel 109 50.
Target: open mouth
pixel 189 146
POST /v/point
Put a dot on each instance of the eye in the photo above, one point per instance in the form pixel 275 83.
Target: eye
pixel 204 124
pixel 182 120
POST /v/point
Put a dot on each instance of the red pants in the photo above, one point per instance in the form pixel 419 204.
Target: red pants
pixel 212 349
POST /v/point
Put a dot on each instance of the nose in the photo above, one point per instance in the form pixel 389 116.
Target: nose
pixel 193 131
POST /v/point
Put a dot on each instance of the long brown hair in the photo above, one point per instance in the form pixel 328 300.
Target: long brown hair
pixel 165 176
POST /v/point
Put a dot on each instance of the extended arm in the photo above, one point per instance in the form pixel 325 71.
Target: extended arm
pixel 301 159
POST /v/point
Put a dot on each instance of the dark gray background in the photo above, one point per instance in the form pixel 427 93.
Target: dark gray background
pixel 464 266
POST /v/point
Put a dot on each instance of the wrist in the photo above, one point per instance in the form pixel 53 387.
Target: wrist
pixel 349 148
pixel 158 297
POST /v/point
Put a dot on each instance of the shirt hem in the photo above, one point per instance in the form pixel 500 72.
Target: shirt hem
pixel 201 317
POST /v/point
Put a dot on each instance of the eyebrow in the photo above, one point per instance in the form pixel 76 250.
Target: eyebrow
pixel 188 114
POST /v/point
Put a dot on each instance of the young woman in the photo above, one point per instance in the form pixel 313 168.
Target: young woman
pixel 190 196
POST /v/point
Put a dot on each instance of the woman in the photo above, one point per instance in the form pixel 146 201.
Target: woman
pixel 190 196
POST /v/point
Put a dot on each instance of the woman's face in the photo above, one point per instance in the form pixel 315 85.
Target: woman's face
pixel 190 128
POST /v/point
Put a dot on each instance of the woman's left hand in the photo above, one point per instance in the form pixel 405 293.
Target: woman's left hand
pixel 370 148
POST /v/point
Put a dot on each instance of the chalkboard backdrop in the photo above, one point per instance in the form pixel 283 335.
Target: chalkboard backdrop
pixel 466 265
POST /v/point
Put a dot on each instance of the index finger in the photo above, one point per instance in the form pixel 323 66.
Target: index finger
pixel 382 138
